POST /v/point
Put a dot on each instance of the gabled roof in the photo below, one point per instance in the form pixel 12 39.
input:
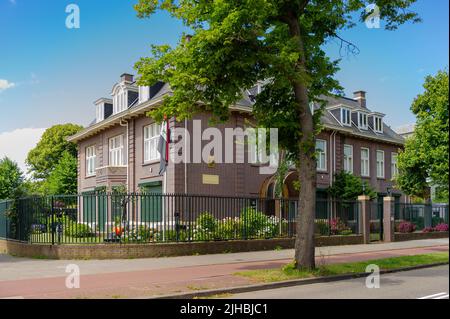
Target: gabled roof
pixel 161 89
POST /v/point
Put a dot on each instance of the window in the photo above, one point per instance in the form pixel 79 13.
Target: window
pixel 321 149
pixel 365 164
pixel 380 164
pixel 394 166
pixel 120 101
pixel 151 138
pixel 348 158
pixel 378 124
pixel 90 161
pixel 144 94
pixel 100 112
pixel 346 118
pixel 362 121
pixel 116 157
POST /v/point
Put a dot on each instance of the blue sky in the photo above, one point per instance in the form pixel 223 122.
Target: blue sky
pixel 50 74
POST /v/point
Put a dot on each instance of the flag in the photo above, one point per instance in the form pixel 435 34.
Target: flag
pixel 163 147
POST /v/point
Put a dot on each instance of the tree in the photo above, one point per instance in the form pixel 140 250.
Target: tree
pixel 348 187
pixel 63 179
pixel 424 161
pixel 53 144
pixel 236 43
pixel 11 178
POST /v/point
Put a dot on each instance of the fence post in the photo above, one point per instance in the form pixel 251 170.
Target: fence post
pixel 428 216
pixel 388 219
pixel 364 220
pixel 52 212
pixel 278 215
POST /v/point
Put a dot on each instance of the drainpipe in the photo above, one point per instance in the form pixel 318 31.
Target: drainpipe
pixel 128 151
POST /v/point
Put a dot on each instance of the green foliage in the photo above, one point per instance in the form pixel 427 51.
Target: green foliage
pixel 322 227
pixel 237 43
pixel 11 179
pixel 347 186
pixel 426 152
pixel 206 221
pixel 63 179
pixel 78 230
pixel 53 144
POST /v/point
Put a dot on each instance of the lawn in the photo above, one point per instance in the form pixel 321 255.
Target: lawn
pixel 289 272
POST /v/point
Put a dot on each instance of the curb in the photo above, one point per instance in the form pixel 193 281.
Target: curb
pixel 287 283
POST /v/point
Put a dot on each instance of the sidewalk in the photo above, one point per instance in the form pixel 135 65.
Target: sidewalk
pixel 31 278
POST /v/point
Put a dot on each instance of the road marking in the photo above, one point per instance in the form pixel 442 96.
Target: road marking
pixel 13 297
pixel 442 297
pixel 432 296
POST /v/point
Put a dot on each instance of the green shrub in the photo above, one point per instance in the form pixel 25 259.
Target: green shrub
pixel 78 230
pixel 229 228
pixel 257 224
pixel 206 221
pixel 322 227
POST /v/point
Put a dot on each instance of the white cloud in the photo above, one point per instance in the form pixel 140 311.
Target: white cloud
pixel 5 84
pixel 16 144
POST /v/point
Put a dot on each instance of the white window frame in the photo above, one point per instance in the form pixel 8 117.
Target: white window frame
pixel 365 160
pixel 348 159
pixel 363 121
pixel 91 156
pixel 100 112
pixel 120 101
pixel 144 94
pixel 116 151
pixel 380 164
pixel 378 124
pixel 151 138
pixel 394 164
pixel 321 156
pixel 347 111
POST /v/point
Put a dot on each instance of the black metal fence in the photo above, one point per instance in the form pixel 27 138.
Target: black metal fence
pixel 422 216
pixel 144 218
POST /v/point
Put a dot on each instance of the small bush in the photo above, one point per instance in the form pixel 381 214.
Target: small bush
pixel 206 221
pixel 428 230
pixel 337 226
pixel 406 227
pixel 322 227
pixel 441 227
pixel 78 231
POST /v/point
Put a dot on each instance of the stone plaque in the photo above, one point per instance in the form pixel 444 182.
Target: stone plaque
pixel 210 179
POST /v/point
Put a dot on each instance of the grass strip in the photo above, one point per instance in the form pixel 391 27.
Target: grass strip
pixel 289 272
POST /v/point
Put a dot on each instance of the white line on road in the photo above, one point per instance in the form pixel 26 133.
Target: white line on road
pixel 432 296
pixel 441 297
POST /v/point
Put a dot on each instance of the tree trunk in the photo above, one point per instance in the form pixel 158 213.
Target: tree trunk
pixel 306 166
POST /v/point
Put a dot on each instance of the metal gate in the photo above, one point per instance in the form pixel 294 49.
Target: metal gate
pixel 376 220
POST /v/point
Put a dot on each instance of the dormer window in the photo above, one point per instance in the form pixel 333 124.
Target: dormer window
pixel 378 124
pixel 99 112
pixel 346 117
pixel 120 100
pixel 362 121
pixel 144 94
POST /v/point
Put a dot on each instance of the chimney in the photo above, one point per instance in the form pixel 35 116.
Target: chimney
pixel 126 77
pixel 360 96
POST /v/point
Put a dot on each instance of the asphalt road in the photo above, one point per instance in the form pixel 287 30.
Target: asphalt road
pixel 428 283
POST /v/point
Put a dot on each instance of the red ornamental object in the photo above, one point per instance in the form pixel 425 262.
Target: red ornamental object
pixel 118 231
